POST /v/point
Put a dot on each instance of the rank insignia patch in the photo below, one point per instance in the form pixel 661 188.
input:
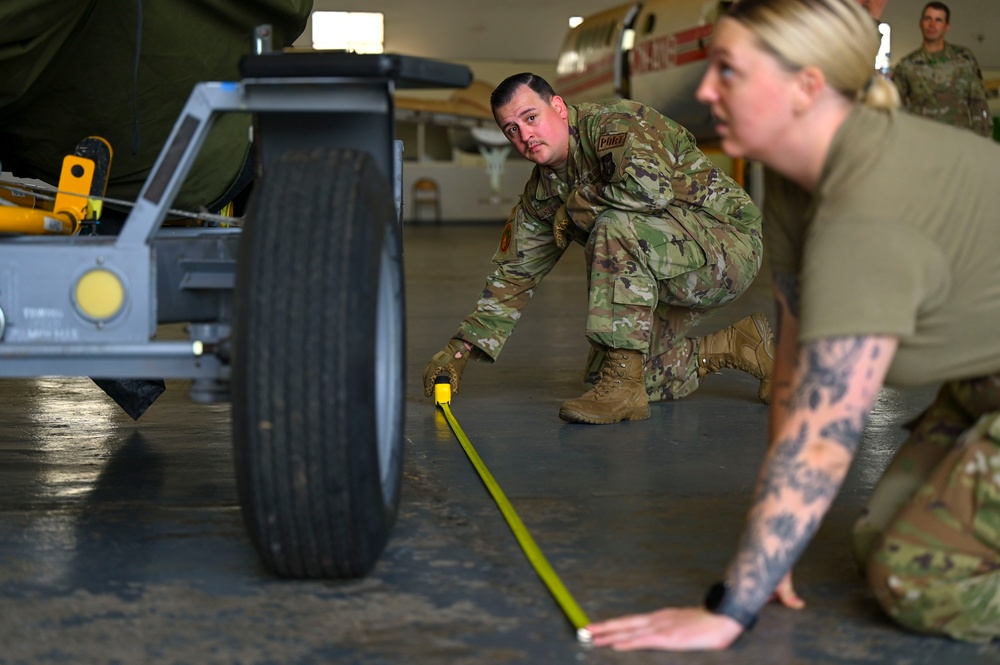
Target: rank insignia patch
pixel 608 168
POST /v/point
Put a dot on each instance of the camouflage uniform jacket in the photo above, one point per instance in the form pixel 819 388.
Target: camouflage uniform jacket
pixel 623 156
pixel 945 86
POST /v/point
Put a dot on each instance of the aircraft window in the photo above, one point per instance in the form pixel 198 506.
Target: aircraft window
pixel 594 40
pixel 650 24
pixel 595 37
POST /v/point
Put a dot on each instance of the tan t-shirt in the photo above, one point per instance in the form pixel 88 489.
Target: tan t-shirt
pixel 902 238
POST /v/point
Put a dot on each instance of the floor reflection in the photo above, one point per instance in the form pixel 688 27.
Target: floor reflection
pixel 76 428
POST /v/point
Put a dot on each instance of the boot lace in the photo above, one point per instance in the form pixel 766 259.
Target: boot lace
pixel 611 374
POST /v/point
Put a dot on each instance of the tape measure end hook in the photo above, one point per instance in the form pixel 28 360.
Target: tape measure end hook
pixel 442 390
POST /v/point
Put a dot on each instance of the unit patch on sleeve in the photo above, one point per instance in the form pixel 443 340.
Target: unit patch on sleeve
pixel 611 141
pixel 505 238
pixel 507 252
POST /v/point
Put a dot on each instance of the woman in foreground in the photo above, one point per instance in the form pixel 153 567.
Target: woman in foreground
pixel 882 232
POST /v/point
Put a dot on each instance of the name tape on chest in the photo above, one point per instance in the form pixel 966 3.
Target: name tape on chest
pixel 611 141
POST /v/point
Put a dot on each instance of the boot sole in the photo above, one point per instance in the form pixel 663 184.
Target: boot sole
pixel 571 416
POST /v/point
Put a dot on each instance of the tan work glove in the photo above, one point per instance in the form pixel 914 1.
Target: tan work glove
pixel 451 361
pixel 561 225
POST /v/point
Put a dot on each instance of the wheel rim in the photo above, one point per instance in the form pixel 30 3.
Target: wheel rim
pixel 388 365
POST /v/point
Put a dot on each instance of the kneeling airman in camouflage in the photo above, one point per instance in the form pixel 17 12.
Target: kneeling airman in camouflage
pixel 666 235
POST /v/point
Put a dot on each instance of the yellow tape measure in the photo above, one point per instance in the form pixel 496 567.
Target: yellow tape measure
pixel 576 616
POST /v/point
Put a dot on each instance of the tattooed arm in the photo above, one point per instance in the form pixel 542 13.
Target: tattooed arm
pixel 824 390
pixel 786 292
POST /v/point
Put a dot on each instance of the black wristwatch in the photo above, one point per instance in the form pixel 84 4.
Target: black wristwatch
pixel 719 600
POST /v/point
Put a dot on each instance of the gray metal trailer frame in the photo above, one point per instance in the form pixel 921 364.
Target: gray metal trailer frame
pixel 336 102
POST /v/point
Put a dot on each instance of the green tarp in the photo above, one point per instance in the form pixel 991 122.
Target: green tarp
pixel 75 68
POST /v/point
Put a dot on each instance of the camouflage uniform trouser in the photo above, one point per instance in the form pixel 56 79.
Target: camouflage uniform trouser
pixel 930 536
pixel 652 278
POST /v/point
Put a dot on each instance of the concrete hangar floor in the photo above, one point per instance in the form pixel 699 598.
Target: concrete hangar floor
pixel 122 542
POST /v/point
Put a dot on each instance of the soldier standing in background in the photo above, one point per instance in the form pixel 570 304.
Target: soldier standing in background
pixel 942 81
pixel 666 235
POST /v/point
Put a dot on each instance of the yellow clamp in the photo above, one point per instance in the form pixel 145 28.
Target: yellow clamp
pixel 73 201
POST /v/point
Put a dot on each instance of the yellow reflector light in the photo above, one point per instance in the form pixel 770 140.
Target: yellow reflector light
pixel 100 294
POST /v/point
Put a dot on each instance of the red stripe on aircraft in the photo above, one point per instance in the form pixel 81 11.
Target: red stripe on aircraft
pixel 668 51
pixel 680 48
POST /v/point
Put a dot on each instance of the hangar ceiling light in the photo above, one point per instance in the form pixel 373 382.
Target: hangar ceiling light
pixel 359 32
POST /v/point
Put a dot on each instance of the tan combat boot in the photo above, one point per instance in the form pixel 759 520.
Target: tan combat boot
pixel 620 393
pixel 746 345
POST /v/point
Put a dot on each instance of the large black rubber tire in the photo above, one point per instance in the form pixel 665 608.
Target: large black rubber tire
pixel 318 365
